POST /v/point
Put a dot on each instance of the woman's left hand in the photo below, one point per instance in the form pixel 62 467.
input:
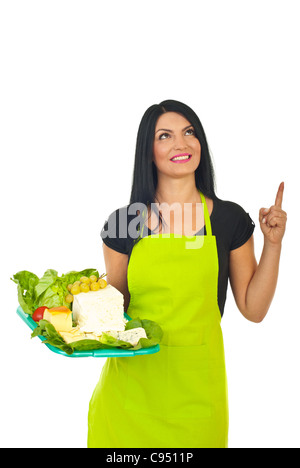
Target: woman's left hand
pixel 273 220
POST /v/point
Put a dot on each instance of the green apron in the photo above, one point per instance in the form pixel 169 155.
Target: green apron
pixel 176 398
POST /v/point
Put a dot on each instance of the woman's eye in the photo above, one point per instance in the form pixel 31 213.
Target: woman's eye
pixel 189 130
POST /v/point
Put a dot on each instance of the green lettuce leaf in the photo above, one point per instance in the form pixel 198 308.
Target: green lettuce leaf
pixel 52 297
pixel 25 279
pixel 26 282
pixel 52 337
pixel 47 280
pixel 86 345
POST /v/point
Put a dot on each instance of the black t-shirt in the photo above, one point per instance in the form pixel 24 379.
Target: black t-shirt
pixel 230 223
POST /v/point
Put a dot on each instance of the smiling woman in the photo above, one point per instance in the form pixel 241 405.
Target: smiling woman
pixel 178 397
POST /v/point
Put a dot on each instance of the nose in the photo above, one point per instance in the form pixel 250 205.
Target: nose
pixel 180 142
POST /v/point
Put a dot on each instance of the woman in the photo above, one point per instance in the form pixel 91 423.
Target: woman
pixel 175 271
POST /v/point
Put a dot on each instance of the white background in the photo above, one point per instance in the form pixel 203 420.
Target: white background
pixel 76 78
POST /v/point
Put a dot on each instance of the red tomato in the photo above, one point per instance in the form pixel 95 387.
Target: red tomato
pixel 39 314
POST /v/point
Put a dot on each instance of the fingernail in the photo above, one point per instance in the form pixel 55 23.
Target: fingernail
pixel 264 220
pixel 266 210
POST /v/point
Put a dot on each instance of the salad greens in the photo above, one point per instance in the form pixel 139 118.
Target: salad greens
pixel 49 291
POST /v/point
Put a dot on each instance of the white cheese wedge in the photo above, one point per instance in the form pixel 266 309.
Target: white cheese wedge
pixel 131 336
pixel 99 311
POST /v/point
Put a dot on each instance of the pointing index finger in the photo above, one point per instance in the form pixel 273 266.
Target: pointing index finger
pixel 279 196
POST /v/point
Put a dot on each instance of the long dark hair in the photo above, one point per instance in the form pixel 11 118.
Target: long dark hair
pixel 144 180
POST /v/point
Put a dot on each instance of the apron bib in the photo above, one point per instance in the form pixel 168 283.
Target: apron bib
pixel 176 398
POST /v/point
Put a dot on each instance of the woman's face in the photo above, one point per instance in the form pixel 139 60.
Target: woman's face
pixel 174 135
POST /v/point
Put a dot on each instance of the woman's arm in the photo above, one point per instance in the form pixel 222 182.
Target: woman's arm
pixel 116 268
pixel 253 285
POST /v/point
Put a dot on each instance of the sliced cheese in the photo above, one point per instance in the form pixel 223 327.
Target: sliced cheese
pixel 60 318
pixel 76 335
pixel 73 335
pixel 91 336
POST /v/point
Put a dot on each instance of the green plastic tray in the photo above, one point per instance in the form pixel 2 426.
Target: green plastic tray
pixel 97 353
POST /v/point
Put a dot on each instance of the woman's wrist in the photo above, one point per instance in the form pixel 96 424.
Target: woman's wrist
pixel 272 246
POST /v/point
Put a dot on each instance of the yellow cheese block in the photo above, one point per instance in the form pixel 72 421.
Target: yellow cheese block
pixel 60 318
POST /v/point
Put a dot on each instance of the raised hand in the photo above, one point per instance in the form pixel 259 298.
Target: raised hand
pixel 273 220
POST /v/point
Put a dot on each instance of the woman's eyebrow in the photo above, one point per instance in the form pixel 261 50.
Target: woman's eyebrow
pixel 167 130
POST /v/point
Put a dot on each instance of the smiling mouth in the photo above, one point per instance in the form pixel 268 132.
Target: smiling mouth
pixel 181 159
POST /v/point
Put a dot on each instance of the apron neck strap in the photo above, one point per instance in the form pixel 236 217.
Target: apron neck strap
pixel 206 215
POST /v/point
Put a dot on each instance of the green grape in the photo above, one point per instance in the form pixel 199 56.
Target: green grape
pixel 84 287
pixel 102 282
pixel 75 289
pixel 85 279
pixel 69 298
pixel 95 286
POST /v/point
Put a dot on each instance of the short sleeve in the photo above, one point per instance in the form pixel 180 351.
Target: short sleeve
pixel 112 235
pixel 243 227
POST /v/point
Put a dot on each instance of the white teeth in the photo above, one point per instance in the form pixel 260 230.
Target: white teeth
pixel 179 158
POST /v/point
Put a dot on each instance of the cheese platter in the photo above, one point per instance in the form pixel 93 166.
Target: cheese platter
pixel 79 315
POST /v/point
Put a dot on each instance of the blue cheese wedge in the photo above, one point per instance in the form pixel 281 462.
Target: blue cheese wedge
pixel 130 336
